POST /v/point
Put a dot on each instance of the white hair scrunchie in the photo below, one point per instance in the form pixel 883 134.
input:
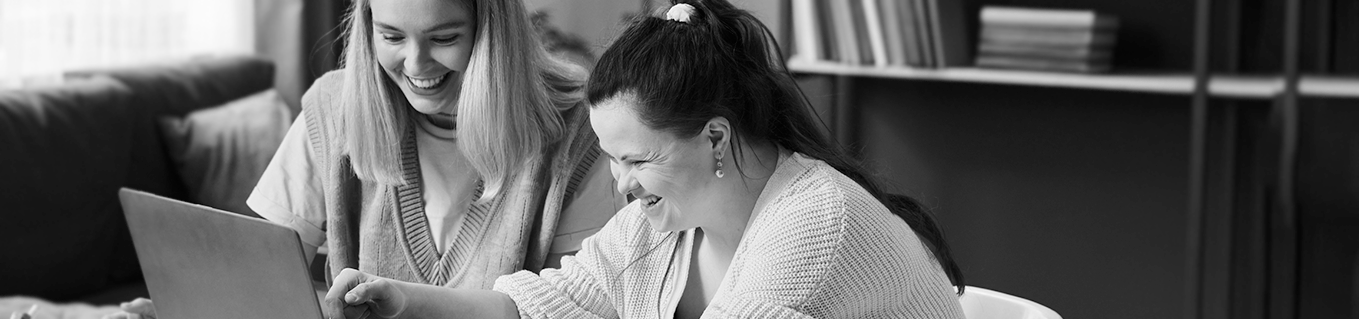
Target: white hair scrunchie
pixel 680 12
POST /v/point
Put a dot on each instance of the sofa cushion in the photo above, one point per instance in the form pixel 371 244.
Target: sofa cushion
pixel 180 87
pixel 65 150
pixel 220 152
pixel 65 156
pixel 177 88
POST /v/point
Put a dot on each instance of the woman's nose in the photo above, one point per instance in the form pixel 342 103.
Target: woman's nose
pixel 416 57
pixel 625 181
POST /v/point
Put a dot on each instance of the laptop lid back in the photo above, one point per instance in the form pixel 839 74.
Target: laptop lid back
pixel 200 262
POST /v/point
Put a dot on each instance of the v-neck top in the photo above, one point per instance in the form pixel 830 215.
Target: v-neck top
pixel 458 186
pixel 820 247
pixel 437 266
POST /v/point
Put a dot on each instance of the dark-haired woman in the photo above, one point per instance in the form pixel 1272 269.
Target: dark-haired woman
pixel 744 209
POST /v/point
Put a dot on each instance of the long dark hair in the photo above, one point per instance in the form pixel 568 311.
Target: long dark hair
pixel 724 62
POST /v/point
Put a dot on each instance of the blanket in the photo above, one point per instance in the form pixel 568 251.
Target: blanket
pixel 50 310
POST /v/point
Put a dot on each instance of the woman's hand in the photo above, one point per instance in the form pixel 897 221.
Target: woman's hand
pixel 25 315
pixel 140 308
pixel 355 294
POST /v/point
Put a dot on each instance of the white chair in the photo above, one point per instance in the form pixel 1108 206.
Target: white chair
pixel 982 303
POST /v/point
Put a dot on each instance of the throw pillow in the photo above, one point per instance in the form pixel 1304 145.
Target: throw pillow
pixel 220 152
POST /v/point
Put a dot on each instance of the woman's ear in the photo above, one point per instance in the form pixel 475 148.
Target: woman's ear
pixel 718 132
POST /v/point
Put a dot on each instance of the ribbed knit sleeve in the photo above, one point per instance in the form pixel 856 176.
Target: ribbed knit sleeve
pixel 564 293
pixel 741 307
pixel 612 271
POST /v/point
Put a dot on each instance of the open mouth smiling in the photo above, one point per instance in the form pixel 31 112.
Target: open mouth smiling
pixel 650 201
pixel 427 83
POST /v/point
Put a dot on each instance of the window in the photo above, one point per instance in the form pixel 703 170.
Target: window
pixel 42 38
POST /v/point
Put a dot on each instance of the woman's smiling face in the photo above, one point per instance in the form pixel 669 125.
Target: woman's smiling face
pixel 424 46
pixel 670 176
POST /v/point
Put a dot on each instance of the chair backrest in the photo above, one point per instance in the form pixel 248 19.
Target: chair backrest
pixel 982 303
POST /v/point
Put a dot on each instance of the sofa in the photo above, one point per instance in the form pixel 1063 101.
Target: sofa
pixel 199 130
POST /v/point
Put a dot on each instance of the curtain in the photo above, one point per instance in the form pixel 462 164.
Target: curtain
pixel 302 38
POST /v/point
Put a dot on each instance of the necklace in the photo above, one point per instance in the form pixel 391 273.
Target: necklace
pixel 451 125
pixel 444 121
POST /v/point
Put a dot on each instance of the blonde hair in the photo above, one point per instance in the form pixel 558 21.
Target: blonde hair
pixel 508 113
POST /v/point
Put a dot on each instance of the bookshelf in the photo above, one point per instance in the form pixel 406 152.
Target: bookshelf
pixel 1167 83
pixel 1230 86
pixel 1232 93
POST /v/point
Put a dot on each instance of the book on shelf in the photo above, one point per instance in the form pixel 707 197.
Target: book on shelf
pixel 876 39
pixel 1020 49
pixel 1046 39
pixel 830 46
pixel 915 11
pixel 892 34
pixel 858 16
pixel 992 33
pixel 949 30
pixel 903 32
pixel 806 36
pixel 1043 64
pixel 843 23
pixel 881 33
pixel 1079 19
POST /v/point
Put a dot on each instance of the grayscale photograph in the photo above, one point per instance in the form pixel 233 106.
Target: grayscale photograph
pixel 920 159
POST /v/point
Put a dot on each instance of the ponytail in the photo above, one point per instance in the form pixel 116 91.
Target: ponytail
pixel 714 60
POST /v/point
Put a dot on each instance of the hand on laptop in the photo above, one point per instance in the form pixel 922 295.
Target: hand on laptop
pixel 355 294
pixel 140 308
pixel 25 315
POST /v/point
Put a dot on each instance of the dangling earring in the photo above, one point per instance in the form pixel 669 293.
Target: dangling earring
pixel 719 166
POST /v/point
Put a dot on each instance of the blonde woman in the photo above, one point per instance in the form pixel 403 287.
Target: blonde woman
pixel 451 149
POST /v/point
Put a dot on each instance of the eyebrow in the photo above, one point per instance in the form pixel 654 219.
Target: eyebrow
pixel 458 24
pixel 626 157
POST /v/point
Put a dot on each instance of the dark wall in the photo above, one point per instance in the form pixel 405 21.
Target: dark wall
pixel 1075 199
pixel 1328 209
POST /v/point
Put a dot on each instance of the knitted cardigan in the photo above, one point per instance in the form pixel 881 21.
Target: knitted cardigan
pixel 382 229
pixel 822 247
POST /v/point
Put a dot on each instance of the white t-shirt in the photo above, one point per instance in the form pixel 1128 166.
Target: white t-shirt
pixel 289 193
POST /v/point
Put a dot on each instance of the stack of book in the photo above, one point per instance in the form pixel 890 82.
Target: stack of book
pixel 883 33
pixel 1046 40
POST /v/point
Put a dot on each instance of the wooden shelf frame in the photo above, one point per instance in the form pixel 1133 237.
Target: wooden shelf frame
pixel 1231 86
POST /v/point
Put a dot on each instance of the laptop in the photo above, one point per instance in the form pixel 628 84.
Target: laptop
pixel 201 262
